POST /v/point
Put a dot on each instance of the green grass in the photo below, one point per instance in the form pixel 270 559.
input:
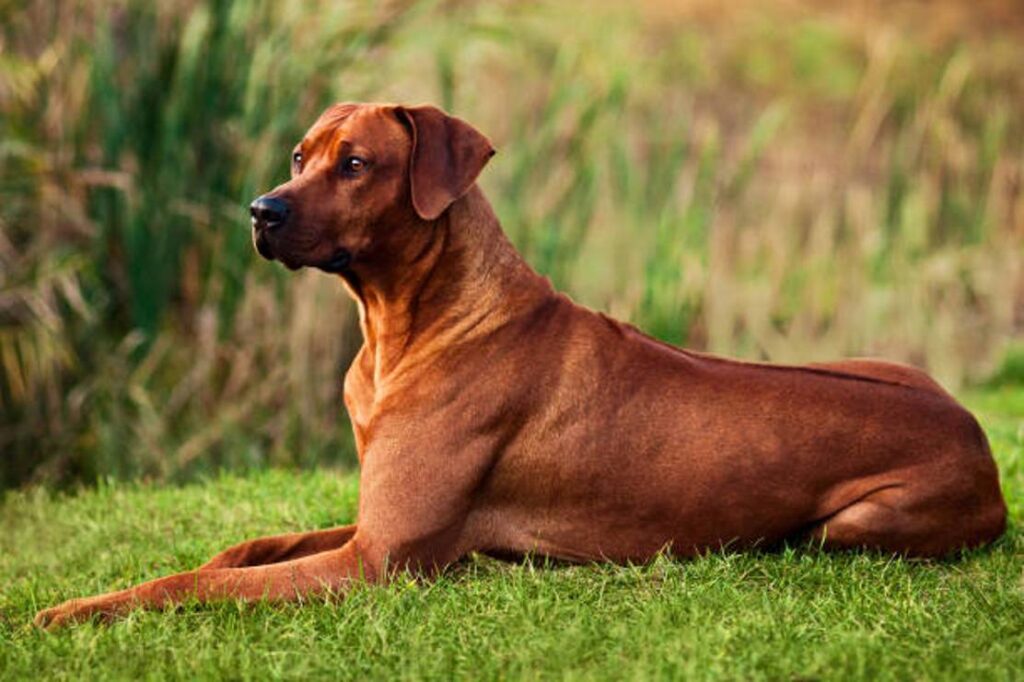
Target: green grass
pixel 796 614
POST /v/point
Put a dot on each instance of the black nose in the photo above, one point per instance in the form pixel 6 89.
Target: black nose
pixel 268 212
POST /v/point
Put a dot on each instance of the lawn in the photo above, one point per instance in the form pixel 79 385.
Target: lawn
pixel 793 614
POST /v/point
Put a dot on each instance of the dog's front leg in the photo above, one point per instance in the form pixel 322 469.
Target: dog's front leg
pixel 276 548
pixel 309 576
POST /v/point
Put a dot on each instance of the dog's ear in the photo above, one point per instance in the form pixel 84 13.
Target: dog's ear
pixel 447 155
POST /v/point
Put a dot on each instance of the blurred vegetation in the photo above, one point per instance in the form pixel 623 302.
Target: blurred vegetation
pixel 791 181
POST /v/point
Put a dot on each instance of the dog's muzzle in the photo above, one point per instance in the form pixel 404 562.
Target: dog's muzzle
pixel 270 214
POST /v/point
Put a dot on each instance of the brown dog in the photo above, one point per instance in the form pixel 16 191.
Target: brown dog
pixel 494 415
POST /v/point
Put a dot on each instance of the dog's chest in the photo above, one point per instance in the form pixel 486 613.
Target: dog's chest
pixel 359 394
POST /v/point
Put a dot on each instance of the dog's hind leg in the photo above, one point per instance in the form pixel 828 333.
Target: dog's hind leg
pixel 921 520
pixel 277 548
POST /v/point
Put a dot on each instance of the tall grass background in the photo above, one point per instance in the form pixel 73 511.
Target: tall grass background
pixel 789 181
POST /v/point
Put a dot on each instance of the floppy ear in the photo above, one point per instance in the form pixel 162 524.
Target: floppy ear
pixel 447 155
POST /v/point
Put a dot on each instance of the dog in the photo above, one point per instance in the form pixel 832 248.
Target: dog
pixel 492 414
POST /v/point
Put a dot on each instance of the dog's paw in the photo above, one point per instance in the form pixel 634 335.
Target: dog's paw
pixel 55 616
pixel 72 611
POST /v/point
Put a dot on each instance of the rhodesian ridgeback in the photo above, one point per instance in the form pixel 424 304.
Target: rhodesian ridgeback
pixel 494 415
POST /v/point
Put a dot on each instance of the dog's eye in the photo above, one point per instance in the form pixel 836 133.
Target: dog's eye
pixel 297 159
pixel 353 165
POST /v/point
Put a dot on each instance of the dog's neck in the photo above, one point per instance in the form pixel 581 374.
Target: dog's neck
pixel 462 280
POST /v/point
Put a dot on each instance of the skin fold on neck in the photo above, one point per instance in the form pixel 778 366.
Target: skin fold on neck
pixel 461 280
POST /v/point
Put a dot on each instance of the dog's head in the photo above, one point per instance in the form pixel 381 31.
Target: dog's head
pixel 362 178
